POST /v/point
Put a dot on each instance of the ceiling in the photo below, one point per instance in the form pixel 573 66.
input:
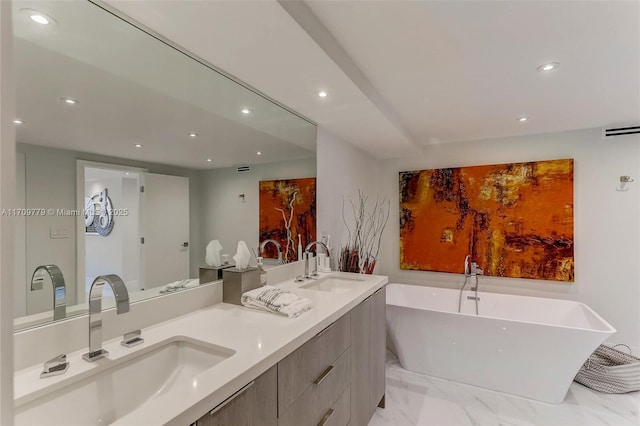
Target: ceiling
pixel 138 98
pixel 402 74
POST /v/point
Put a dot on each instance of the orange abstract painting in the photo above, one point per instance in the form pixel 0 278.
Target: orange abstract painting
pixel 287 210
pixel 514 220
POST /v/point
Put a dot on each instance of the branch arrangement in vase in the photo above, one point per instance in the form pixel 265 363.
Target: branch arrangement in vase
pixel 364 235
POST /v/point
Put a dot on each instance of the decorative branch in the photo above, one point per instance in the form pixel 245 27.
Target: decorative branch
pixel 287 225
pixel 363 244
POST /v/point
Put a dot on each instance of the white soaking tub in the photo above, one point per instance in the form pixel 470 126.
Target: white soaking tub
pixel 527 346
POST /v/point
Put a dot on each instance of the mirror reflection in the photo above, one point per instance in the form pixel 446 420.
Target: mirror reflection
pixel 131 157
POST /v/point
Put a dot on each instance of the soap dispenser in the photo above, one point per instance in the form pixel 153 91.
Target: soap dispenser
pixel 263 273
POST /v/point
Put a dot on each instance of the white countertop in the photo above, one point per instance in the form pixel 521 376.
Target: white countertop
pixel 259 339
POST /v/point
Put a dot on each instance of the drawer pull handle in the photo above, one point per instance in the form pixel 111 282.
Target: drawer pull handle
pixel 231 398
pixel 324 420
pixel 323 376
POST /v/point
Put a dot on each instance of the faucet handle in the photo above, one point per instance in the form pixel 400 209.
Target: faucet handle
pixel 55 366
pixel 132 338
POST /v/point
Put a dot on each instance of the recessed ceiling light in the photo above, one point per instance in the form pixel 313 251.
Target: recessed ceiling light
pixel 246 111
pixel 70 101
pixel 209 160
pixel 138 145
pixel 259 153
pixel 522 119
pixel 17 121
pixel 40 19
pixel 193 135
pixel 548 67
pixel 322 94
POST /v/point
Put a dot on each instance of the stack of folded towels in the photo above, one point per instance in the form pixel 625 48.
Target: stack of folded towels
pixel 276 300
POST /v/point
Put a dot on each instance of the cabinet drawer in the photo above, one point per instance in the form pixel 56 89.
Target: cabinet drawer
pixel 314 403
pixel 299 370
pixel 253 405
pixel 338 415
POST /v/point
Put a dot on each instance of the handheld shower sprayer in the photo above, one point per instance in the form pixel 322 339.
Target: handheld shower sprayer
pixel 467 269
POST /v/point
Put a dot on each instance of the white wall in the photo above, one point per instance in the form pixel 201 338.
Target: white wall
pixel 607 222
pixel 49 183
pixel 20 223
pixel 228 218
pixel 7 190
pixel 343 170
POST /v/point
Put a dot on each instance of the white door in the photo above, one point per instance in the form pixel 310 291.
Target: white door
pixel 165 229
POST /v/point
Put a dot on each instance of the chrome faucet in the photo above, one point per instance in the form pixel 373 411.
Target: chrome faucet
pixel 307 255
pixel 275 243
pixel 95 312
pixel 471 270
pixel 59 288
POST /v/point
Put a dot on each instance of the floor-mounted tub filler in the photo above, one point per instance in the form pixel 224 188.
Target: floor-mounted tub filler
pixel 526 346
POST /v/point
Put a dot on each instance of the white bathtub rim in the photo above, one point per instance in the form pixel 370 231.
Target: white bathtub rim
pixel 610 332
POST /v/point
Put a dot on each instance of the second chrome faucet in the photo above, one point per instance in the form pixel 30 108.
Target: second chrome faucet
pixel 95 312
pixel 307 258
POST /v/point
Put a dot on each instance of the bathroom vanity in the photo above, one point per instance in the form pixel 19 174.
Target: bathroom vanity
pixel 227 364
pixel 337 377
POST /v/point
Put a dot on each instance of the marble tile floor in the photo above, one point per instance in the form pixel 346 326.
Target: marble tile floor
pixel 414 399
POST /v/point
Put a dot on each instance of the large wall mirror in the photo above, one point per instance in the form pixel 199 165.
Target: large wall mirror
pixel 112 118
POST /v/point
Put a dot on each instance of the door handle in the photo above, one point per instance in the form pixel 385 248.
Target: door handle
pixel 185 244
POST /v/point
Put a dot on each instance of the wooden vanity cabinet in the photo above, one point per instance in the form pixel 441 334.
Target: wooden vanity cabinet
pixel 312 379
pixel 368 352
pixel 378 350
pixel 255 404
pixel 335 378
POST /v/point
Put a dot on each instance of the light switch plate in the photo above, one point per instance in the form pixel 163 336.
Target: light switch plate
pixel 56 233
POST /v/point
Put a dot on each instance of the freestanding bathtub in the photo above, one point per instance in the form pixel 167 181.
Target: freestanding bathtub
pixel 526 346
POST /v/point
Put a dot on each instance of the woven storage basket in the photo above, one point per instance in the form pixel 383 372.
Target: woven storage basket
pixel 610 371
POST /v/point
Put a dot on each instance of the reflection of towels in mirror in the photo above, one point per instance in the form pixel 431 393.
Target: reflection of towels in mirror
pixel 180 285
pixel 212 256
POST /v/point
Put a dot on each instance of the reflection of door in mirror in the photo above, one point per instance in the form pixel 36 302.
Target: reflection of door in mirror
pixel 166 229
pixel 147 243
pixel 113 208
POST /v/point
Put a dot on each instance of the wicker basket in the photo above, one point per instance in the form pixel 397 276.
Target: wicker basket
pixel 609 370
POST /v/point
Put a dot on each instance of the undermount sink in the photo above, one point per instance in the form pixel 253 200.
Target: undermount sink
pixel 124 385
pixel 335 284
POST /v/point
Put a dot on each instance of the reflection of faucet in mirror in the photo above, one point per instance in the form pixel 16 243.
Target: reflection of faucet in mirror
pixel 95 312
pixel 278 247
pixel 59 288
pixel 307 255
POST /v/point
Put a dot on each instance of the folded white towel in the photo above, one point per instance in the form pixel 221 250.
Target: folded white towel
pixel 180 285
pixel 276 300
pixel 195 282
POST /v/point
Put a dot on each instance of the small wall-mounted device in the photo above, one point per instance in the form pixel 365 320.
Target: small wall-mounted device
pixel 624 180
